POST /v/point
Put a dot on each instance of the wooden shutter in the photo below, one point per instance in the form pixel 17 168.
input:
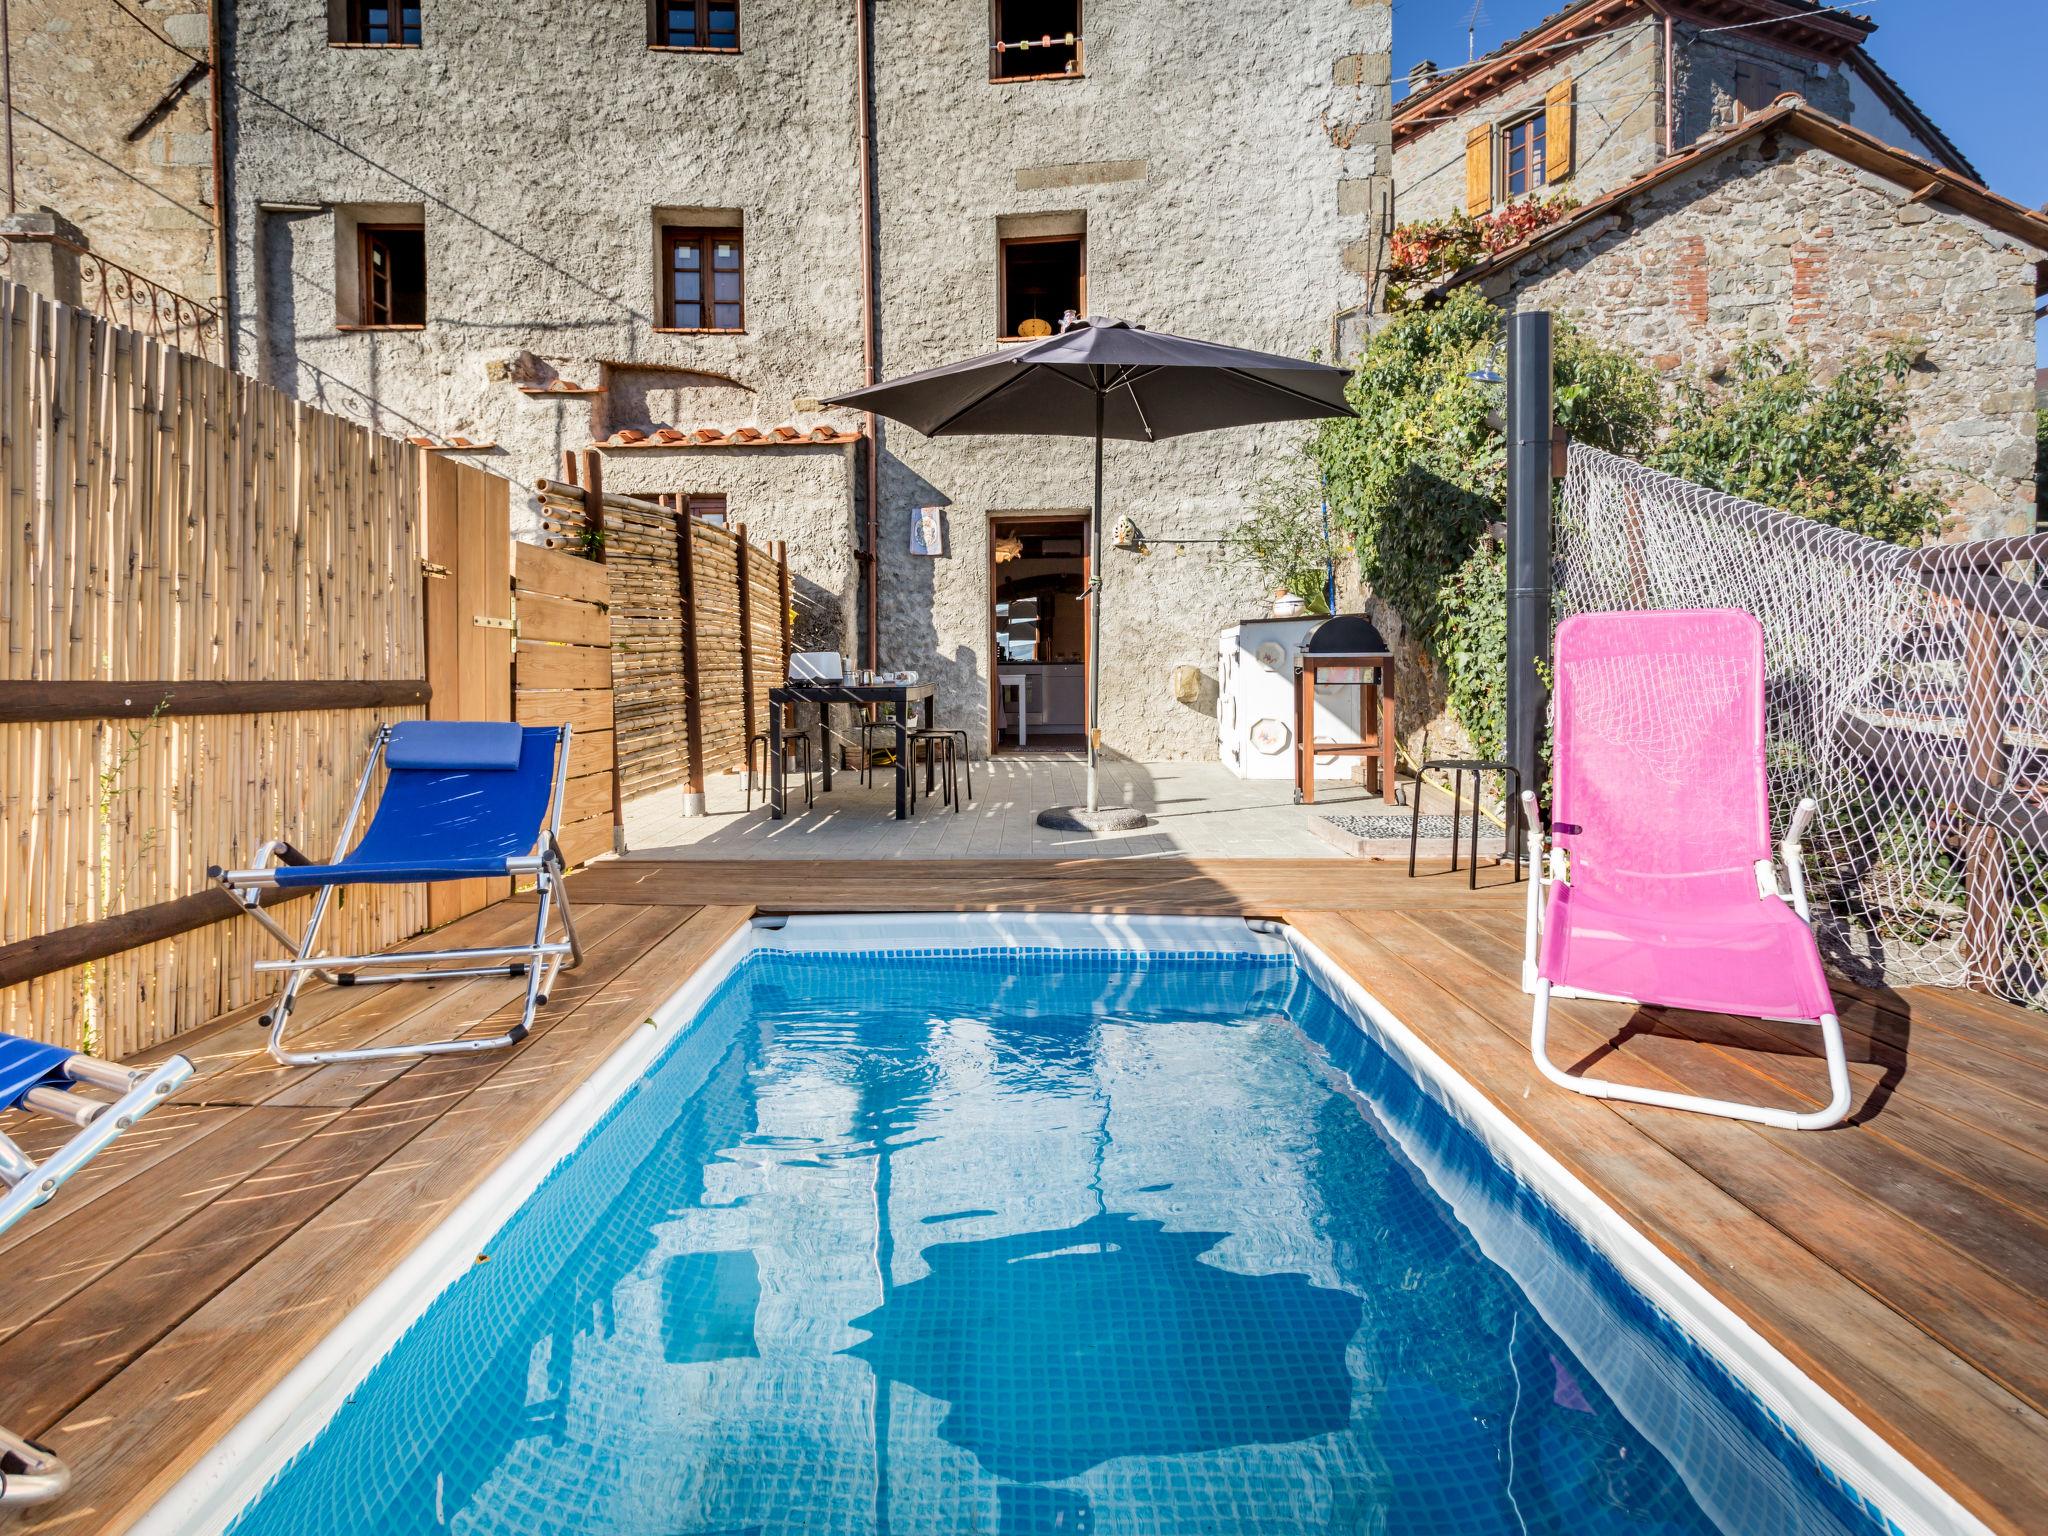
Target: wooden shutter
pixel 1479 170
pixel 1557 131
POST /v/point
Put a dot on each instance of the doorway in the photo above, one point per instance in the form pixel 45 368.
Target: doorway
pixel 1038 631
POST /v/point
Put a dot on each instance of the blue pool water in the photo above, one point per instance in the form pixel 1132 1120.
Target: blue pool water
pixel 1036 1243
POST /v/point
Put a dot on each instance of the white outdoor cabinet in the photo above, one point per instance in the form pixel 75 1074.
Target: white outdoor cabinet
pixel 1255 702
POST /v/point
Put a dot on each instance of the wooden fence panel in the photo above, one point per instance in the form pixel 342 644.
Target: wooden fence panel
pixel 468 517
pixel 563 608
pixel 696 665
pixel 172 523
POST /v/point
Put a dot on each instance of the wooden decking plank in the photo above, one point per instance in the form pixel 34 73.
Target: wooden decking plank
pixel 1960 1426
pixel 1975 1065
pixel 1891 1161
pixel 141 1298
pixel 131 1440
pixel 1933 1109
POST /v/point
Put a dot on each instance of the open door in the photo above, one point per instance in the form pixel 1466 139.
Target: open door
pixel 1038 634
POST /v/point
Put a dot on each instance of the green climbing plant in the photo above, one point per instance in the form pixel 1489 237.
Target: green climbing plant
pixel 1836 450
pixel 1419 475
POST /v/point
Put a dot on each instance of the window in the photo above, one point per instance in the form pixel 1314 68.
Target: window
pixel 1521 149
pixel 374 23
pixel 1043 277
pixel 1034 39
pixel 702 280
pixel 393 274
pixel 712 24
pixel 1755 89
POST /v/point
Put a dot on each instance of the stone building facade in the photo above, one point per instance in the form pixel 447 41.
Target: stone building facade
pixel 112 132
pixel 1707 220
pixel 1794 231
pixel 1635 90
pixel 544 157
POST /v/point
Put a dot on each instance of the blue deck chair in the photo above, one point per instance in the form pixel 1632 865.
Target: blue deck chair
pixel 462 800
pixel 42 1079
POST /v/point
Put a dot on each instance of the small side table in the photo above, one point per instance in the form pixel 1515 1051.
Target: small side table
pixel 1016 680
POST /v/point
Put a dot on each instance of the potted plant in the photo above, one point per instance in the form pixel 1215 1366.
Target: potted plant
pixel 1285 538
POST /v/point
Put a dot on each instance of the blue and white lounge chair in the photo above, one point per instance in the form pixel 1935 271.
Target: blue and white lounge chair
pixel 43 1079
pixel 462 800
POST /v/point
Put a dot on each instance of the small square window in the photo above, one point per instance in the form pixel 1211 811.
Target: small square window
pixel 703 280
pixel 1032 39
pixel 1043 278
pixel 1522 168
pixel 393 274
pixel 374 23
pixel 707 24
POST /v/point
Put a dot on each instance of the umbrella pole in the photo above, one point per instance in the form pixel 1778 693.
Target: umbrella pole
pixel 1095 616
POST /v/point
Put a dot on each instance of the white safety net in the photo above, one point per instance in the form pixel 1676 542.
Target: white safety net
pixel 1907 693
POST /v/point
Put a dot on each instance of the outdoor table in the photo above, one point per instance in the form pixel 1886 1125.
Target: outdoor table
pixel 823 694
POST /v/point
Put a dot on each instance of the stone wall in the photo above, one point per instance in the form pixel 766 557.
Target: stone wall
pixel 1618 118
pixel 85 79
pixel 1231 166
pixel 1224 160
pixel 1780 242
pixel 537 151
pixel 1710 68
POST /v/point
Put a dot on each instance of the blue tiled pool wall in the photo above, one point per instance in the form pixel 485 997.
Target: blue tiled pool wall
pixel 484 1379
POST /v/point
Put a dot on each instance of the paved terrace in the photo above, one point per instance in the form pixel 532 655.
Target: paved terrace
pixel 1902 1259
pixel 1199 809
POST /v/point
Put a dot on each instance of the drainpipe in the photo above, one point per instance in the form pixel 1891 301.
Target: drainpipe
pixel 214 115
pixel 7 84
pixel 1670 88
pixel 865 89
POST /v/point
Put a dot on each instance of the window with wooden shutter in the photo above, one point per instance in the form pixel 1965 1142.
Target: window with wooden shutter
pixel 1557 130
pixel 1479 170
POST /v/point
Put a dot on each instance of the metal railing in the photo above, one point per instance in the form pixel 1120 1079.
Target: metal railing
pixel 125 297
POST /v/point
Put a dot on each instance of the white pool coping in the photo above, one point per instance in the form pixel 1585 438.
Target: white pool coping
pixel 238 1467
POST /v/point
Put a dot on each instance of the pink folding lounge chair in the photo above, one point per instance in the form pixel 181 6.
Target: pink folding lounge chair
pixel 1660 887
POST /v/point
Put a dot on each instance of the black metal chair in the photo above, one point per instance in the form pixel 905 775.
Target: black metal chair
pixel 866 731
pixel 1511 784
pixel 796 744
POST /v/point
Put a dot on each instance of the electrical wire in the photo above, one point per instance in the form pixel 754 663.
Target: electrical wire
pixel 1593 37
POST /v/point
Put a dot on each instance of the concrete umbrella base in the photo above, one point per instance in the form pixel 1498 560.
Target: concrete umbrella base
pixel 1076 818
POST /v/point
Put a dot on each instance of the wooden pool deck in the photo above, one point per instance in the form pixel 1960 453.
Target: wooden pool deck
pixel 1901 1260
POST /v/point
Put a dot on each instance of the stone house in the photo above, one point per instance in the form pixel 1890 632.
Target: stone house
pixel 1742 182
pixel 1793 229
pixel 668 230
pixel 111 119
pixel 1596 94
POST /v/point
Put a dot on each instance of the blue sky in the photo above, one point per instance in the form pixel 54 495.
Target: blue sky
pixel 1974 66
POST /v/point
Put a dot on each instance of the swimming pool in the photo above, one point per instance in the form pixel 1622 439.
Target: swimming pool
pixel 1035 1225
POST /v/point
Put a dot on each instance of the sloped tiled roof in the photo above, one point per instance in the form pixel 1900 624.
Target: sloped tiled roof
pixel 1930 182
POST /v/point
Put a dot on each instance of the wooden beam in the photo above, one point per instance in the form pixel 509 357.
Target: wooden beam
pixel 47 953
pixel 29 702
pixel 693 698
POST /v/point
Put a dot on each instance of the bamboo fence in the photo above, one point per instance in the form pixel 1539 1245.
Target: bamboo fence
pixel 173 522
pixel 736 635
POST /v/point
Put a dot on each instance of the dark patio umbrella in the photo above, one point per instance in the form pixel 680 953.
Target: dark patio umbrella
pixel 1101 378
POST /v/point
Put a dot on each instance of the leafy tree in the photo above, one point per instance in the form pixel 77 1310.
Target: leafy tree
pixel 1418 476
pixel 1836 451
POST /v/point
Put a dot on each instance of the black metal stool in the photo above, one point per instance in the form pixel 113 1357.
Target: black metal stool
pixel 959 739
pixel 937 745
pixel 1511 781
pixel 796 745
pixel 865 730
